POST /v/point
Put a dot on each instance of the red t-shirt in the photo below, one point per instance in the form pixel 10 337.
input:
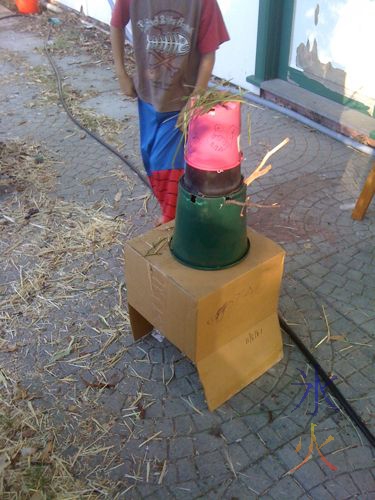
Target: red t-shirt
pixel 169 38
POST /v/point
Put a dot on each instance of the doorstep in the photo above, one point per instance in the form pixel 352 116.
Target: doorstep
pixel 332 115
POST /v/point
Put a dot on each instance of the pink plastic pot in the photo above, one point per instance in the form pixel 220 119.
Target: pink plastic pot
pixel 213 142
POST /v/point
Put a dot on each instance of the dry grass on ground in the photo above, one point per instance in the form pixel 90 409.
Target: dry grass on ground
pixel 62 334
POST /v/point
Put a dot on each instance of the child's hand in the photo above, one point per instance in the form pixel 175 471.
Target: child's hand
pixel 127 86
pixel 181 119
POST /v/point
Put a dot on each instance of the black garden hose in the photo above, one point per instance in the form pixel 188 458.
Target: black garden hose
pixel 82 127
pixel 14 15
pixel 336 393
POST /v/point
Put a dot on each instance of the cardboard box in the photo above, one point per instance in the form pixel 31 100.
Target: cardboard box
pixel 225 321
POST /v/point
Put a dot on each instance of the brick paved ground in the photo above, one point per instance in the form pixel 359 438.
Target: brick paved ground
pixel 245 448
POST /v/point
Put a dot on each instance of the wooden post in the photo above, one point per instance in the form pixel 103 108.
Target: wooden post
pixel 366 196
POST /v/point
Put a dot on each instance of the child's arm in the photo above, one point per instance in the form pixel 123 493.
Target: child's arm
pixel 204 72
pixel 118 51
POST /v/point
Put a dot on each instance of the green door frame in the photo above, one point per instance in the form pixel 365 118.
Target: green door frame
pixel 275 23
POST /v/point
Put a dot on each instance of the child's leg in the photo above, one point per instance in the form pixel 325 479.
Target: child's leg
pixel 163 155
pixel 165 187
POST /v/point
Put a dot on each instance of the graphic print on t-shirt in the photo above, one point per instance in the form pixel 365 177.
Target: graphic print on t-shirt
pixel 167 37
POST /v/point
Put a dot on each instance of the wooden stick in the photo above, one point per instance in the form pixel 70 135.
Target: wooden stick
pixel 366 196
pixel 258 172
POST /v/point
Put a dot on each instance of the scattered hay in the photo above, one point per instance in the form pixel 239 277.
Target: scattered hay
pixel 56 245
pixel 70 38
pixel 63 332
pixel 30 464
pixel 109 129
pixel 75 34
pixel 24 167
pixel 203 102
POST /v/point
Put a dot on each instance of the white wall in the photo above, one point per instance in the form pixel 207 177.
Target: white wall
pixel 75 4
pixel 235 59
pixel 100 9
pixel 97 9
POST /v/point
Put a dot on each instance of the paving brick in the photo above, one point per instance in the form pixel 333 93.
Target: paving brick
pixel 159 374
pixel 342 487
pixel 360 383
pixel 186 470
pixel 354 275
pixel 159 493
pixel 368 372
pixel 234 430
pixel 174 355
pixel 184 368
pixel 237 455
pixel 273 466
pixel 255 393
pixel 186 491
pixel 165 426
pixel 240 404
pixel 156 355
pixel 287 427
pixel 254 447
pixel 343 294
pixel 270 438
pixel 184 425
pixel 212 465
pixel 157 449
pixel 286 488
pixel 179 387
pixel 336 279
pixel 361 457
pixel 369 326
pixel 180 447
pixel 344 368
pixel 156 410
pixel 318 270
pixel 204 442
pixel 255 478
pixel 207 421
pixel 175 407
pixel 238 491
pixel 194 381
pixel 364 480
pixel 256 420
pixel 171 477
pixel 313 282
pixel 320 493
pixel 158 391
pixel 310 475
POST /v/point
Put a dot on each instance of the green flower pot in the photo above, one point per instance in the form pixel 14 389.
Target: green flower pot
pixel 210 232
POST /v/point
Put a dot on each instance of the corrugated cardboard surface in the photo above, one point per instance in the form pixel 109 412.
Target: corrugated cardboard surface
pixel 238 305
pixel 233 365
pixel 225 321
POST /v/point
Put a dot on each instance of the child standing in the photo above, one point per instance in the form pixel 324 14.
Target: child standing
pixel 174 45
